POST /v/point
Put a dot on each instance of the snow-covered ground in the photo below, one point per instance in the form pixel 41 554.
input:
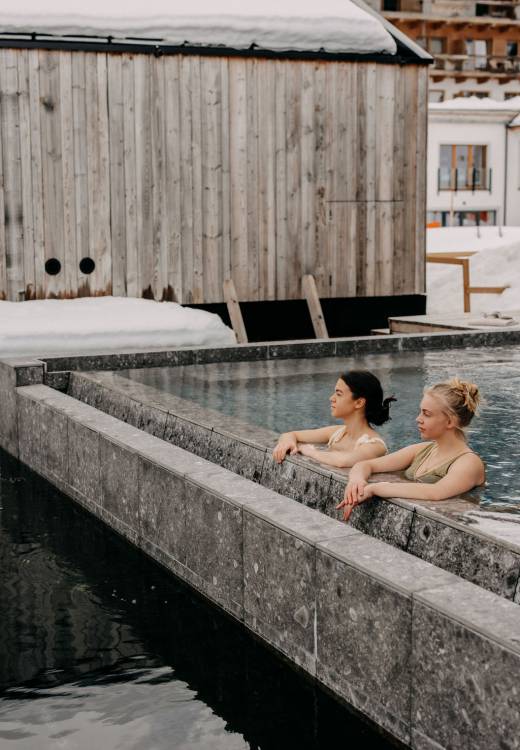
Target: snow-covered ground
pixel 332 25
pixel 497 263
pixel 105 324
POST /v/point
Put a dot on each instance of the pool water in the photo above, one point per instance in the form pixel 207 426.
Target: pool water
pixel 101 648
pixel 293 394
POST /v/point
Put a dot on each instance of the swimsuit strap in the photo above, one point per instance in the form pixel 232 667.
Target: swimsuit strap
pixel 366 440
pixel 442 468
pixel 336 436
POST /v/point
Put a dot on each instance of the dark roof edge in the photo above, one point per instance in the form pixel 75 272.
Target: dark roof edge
pixel 407 49
pixel 158 48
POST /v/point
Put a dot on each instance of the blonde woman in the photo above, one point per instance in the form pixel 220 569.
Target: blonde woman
pixel 358 401
pixel 444 467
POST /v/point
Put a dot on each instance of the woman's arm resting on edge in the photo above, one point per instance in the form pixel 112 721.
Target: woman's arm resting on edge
pixel 358 477
pixel 288 441
pixel 467 474
pixel 343 459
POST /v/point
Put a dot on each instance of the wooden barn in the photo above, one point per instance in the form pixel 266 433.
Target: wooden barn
pixel 159 156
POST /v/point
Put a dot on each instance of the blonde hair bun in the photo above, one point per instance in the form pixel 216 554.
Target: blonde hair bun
pixel 460 397
pixel 469 393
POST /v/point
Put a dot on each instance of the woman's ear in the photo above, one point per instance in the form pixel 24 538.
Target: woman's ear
pixel 452 422
pixel 360 403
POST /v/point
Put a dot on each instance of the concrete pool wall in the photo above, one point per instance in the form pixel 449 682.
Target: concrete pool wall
pixel 399 639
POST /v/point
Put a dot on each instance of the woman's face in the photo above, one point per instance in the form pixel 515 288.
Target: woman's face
pixel 433 421
pixel 342 402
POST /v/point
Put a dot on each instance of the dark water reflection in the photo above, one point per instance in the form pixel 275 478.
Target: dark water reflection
pixel 290 394
pixel 100 648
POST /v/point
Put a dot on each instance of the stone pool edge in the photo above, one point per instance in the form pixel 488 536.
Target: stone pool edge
pixel 361 617
pixel 245 449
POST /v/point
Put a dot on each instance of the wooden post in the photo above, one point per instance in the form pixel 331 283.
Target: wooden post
pixel 235 314
pixel 313 302
pixel 465 283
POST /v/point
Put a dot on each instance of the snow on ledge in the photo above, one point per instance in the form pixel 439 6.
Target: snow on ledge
pixel 91 325
pixel 476 103
pixel 303 25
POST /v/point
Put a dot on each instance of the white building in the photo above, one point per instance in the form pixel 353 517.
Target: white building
pixel 474 162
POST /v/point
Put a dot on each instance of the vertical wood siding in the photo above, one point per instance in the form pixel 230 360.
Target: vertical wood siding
pixel 177 172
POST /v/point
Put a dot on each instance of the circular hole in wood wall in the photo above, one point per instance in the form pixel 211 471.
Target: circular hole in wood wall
pixel 86 265
pixel 52 266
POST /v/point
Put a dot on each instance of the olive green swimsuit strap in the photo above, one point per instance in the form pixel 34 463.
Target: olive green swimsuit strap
pixel 437 472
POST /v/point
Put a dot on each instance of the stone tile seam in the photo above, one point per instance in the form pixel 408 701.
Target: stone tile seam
pixel 444 612
pixel 516 595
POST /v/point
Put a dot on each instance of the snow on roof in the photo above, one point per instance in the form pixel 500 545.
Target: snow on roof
pixel 476 103
pixel 303 25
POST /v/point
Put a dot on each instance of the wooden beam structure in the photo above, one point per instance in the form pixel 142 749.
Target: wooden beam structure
pixel 462 259
pixel 310 292
pixel 235 314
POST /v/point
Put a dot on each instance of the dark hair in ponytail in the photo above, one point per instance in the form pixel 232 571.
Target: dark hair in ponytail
pixel 364 384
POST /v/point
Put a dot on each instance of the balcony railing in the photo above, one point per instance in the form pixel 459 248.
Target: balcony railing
pixel 490 63
pixel 464 179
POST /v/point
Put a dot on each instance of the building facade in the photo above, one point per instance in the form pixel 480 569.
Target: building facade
pixel 474 163
pixel 476 45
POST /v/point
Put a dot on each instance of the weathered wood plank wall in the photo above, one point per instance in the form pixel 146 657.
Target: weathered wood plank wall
pixel 173 173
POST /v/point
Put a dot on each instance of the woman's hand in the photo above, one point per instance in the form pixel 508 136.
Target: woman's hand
pixel 286 444
pixel 358 494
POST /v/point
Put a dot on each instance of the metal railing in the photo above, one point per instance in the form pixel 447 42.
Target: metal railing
pixel 464 179
pixel 498 64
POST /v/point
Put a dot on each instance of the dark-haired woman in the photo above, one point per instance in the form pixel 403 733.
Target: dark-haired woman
pixel 358 401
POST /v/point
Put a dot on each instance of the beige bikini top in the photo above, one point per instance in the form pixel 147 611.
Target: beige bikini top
pixel 365 439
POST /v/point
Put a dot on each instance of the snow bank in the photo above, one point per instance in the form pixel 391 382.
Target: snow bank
pixel 497 263
pixel 332 25
pixel 105 324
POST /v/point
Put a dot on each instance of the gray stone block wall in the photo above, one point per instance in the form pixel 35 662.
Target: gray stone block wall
pixel 466 669
pixel 431 659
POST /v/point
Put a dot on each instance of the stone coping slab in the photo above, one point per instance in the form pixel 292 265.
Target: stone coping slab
pixel 453 535
pixel 277 350
pixel 391 634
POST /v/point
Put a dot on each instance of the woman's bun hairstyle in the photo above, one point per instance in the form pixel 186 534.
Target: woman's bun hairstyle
pixel 460 397
pixel 364 384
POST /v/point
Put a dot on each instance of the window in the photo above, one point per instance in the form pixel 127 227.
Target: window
pixel 436 45
pixel 435 95
pixel 511 94
pixel 461 218
pixel 512 49
pixel 477 50
pixel 463 167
